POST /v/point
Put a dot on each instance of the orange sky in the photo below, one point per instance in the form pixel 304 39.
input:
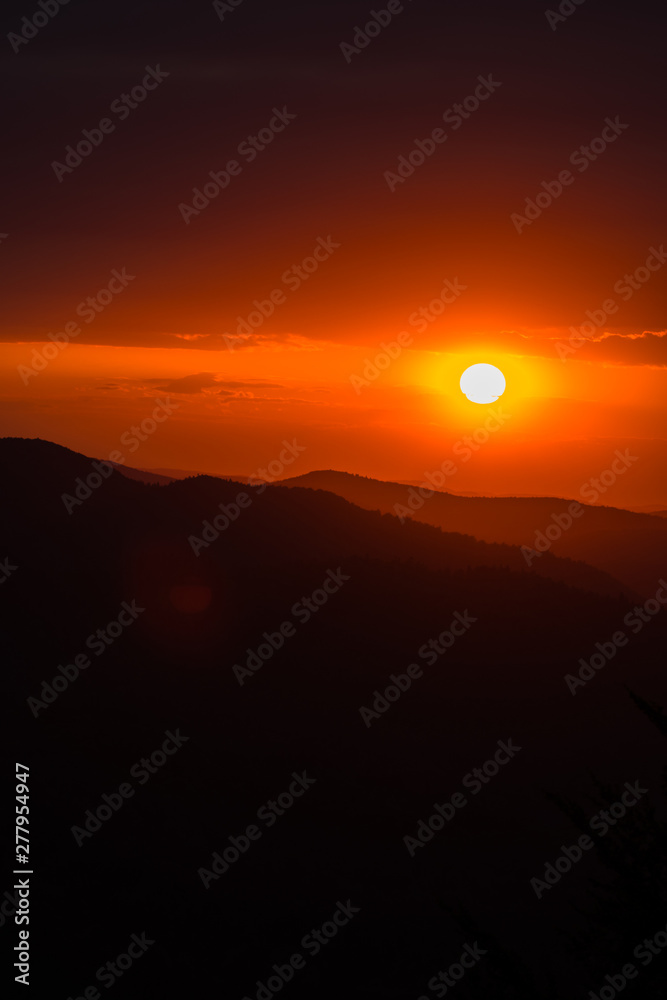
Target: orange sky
pixel 562 421
pixel 310 232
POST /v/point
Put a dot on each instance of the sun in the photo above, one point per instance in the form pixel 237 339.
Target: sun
pixel 482 383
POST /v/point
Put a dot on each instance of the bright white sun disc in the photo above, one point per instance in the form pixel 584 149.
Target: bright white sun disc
pixel 482 383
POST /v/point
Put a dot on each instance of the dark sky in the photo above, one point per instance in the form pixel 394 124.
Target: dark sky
pixel 325 172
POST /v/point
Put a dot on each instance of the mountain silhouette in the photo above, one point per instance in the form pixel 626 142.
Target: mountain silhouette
pixel 630 546
pixel 260 641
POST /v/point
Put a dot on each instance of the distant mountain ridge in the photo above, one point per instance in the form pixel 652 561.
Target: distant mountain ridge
pixel 630 546
pixel 607 550
pixel 291 519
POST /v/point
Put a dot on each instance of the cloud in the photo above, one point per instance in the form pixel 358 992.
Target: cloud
pixel 209 383
pixel 628 346
pixel 190 383
pixel 607 345
pixel 211 380
pixel 289 341
pixel 647 348
pixel 251 385
pixel 104 337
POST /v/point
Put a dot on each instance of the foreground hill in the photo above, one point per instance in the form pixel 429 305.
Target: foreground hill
pixel 282 642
